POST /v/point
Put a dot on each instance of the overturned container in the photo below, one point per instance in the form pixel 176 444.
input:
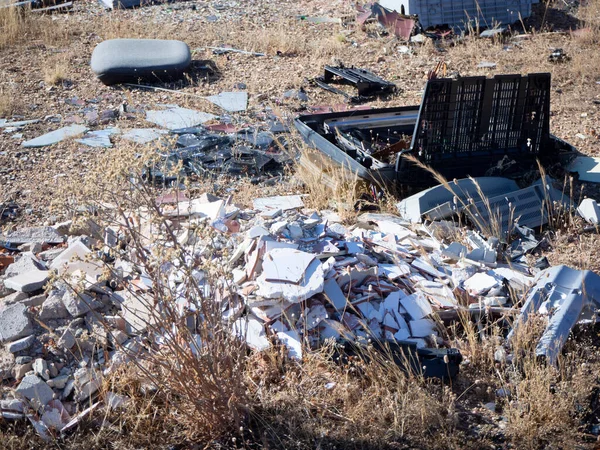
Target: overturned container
pixel 463 127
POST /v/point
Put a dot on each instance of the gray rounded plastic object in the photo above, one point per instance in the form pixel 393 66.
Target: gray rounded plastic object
pixel 122 60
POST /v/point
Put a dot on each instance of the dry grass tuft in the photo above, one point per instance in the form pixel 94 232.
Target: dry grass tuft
pixel 6 103
pixel 55 72
pixel 330 186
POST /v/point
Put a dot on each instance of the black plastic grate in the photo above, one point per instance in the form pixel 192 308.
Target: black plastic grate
pixel 475 115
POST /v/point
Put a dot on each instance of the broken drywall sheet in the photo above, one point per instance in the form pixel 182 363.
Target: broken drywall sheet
pixel 143 135
pixel 311 284
pixel 286 265
pixel 55 136
pixel 230 101
pixel 282 202
pixel 99 138
pixel 174 117
pixel 589 210
pixel 587 167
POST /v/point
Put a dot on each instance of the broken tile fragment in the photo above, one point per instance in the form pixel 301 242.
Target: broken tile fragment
pixel 99 138
pixel 286 265
pixel 55 136
pixel 143 135
pixel 282 202
pixel 174 117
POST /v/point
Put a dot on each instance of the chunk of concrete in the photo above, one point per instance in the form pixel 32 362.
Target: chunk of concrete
pixel 76 259
pixel 15 323
pixel 34 389
pixel 40 368
pixel 20 344
pixel 31 281
pixel 55 136
pixel 79 303
pixel 15 297
pixel 41 235
pixel 24 263
pixel 54 308
pixel 7 364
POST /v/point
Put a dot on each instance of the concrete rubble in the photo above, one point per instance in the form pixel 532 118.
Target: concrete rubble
pixel 293 278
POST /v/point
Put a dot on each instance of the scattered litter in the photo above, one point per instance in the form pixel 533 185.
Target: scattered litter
pixel 372 145
pixel 461 16
pixel 486 65
pixel 400 25
pixel 225 50
pixel 367 84
pixel 492 32
pixel 558 56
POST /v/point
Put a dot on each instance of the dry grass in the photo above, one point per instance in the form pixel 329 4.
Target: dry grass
pixel 6 103
pixel 12 26
pixel 329 186
pixel 56 72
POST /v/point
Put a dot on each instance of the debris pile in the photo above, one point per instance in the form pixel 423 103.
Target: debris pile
pixel 71 314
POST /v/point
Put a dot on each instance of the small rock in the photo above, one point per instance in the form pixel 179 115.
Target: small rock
pixel 40 368
pixel 21 344
pixel 59 382
pixel 15 323
pixel 23 359
pixel 67 340
pixel 7 364
pixel 20 370
pixel 53 308
pixel 35 390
